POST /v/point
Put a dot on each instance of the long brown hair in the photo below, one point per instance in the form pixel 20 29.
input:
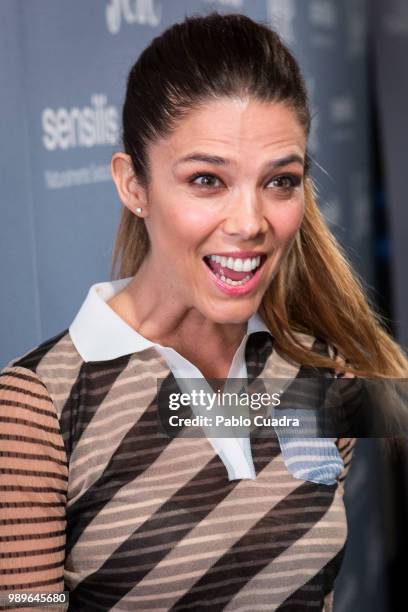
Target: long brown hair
pixel 315 291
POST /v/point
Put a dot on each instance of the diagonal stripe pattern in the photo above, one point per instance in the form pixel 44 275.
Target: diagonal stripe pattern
pixel 97 499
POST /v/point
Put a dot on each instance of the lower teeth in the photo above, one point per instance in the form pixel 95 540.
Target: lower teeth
pixel 229 281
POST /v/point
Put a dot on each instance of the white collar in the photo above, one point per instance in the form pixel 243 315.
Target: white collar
pixel 100 334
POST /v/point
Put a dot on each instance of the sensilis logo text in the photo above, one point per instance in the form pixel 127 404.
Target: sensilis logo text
pixel 144 12
pixel 92 125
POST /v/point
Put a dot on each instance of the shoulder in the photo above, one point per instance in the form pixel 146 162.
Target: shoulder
pixel 54 364
pixel 54 378
pixel 50 349
pixel 37 392
pixel 316 344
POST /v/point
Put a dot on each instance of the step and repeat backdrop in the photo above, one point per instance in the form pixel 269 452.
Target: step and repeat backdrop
pixel 390 45
pixel 63 68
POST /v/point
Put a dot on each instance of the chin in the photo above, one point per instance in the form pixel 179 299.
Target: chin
pixel 232 314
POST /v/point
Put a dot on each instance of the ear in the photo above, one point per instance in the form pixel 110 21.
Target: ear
pixel 130 191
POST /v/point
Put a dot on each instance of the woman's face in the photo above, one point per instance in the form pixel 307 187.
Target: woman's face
pixel 224 202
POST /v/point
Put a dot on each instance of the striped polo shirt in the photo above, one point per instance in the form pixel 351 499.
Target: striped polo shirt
pixel 97 499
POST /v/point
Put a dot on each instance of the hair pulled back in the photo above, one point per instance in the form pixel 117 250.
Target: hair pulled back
pixel 315 290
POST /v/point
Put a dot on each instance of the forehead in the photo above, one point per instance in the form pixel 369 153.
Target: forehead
pixel 241 126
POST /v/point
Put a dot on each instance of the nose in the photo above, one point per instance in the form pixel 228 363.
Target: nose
pixel 245 216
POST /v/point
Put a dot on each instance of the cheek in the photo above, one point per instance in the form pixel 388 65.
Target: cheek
pixel 287 223
pixel 190 223
pixel 179 229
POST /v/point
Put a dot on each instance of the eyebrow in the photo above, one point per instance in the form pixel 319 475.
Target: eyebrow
pixel 220 161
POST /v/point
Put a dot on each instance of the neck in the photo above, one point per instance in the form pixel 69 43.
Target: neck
pixel 156 316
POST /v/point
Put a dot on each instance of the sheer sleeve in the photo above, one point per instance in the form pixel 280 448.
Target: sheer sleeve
pixel 33 487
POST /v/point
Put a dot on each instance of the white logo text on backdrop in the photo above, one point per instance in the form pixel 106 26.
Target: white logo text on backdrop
pixel 93 125
pixel 96 124
pixel 143 12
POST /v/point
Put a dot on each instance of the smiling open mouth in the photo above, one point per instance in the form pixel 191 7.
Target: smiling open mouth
pixel 234 271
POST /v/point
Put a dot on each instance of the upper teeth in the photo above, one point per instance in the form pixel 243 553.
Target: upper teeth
pixel 236 263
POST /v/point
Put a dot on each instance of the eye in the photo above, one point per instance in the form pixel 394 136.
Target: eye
pixel 286 182
pixel 207 181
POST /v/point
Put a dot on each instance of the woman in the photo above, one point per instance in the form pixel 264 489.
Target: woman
pixel 222 257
